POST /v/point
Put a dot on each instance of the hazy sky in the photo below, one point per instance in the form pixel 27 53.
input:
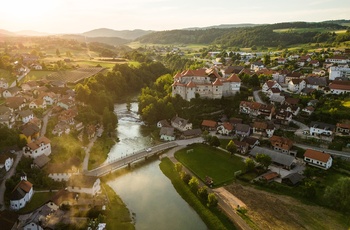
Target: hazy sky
pixel 77 16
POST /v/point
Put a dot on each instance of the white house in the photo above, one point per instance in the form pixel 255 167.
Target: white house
pixel 6 160
pixel 21 194
pixel 26 116
pixel 167 134
pixel 37 103
pixel 338 60
pixel 296 85
pixel 320 128
pixel 270 84
pixel 318 159
pixel 335 72
pixel 225 128
pixel 84 184
pixel 181 124
pixel 340 87
pixel 37 148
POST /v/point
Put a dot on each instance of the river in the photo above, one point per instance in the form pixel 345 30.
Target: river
pixel 148 194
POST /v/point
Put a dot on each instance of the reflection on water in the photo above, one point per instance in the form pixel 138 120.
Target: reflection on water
pixel 151 196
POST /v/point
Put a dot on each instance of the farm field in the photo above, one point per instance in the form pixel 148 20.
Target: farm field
pixel 272 211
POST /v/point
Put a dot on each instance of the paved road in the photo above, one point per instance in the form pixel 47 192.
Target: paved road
pixel 9 174
pixel 20 77
pixel 257 97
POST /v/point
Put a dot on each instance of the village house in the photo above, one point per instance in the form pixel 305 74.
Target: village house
pixel 283 117
pixel 296 85
pixel 257 65
pixel 15 103
pixel 242 130
pixel 163 123
pixel 338 72
pixel 315 63
pixel 225 128
pixel 255 109
pixel 191 133
pixel 6 161
pixel 66 103
pixel 294 109
pixel 167 134
pixel 228 71
pixel 61 128
pixel 282 144
pixel 270 84
pixel 7 120
pixel 29 132
pixel 49 97
pixel 11 92
pixel 242 147
pixel 207 83
pixel 343 128
pixel 181 124
pixel 340 87
pixel 21 194
pixel 292 75
pixel 338 60
pixel 209 125
pixel 41 161
pixel 263 128
pixel 251 141
pixel 37 148
pixel 318 159
pixel 317 83
pixel 37 104
pixel 320 128
pixel 84 184
pixel 308 110
pixel 25 116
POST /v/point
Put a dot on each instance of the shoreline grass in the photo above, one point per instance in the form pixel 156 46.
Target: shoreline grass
pixel 214 219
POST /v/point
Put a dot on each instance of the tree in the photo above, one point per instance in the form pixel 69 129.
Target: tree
pixel 194 184
pixel 267 59
pixel 212 200
pixel 249 164
pixel 185 177
pixel 214 141
pixel 263 159
pixel 231 147
pixel 58 53
pixel 202 192
pixel 337 195
pixel 178 167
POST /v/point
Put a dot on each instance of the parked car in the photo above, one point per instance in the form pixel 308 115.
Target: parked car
pixel 148 150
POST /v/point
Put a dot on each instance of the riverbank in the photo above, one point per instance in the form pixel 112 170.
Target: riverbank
pixel 213 218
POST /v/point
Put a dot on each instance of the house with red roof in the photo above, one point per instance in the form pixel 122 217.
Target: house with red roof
pixel 225 128
pixel 38 147
pixel 209 125
pixel 339 87
pixel 318 159
pixel 343 128
pixel 21 194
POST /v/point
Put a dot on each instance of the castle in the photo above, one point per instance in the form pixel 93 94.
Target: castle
pixel 207 83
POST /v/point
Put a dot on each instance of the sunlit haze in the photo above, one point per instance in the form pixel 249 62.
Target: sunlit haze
pixel 76 16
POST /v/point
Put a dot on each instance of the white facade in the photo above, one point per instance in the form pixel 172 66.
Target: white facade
pixel 93 190
pixel 61 176
pixel 32 226
pixel 7 164
pixel 38 148
pixel 335 71
pixel 23 197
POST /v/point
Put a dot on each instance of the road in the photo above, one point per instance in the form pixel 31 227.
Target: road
pixel 45 121
pixel 9 174
pixel 257 97
pixel 88 148
pixel 330 151
pixel 20 77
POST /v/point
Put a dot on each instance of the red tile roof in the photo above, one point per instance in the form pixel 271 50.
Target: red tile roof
pixel 317 155
pixel 209 123
pixel 234 78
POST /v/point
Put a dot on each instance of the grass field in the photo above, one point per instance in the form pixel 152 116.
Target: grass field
pixel 205 161
pixel 304 30
pixel 7 76
pixel 38 199
pixel 34 75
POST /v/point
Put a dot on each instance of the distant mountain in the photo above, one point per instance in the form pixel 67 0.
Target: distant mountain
pixel 6 33
pixel 223 26
pixel 125 34
pixel 114 41
pixel 31 33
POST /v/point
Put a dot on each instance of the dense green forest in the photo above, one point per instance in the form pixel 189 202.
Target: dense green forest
pixel 248 36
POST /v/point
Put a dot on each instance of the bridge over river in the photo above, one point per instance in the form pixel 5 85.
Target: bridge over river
pixel 112 165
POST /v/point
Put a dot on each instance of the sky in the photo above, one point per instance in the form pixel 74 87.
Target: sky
pixel 78 16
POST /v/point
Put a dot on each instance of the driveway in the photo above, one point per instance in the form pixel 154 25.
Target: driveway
pixel 257 97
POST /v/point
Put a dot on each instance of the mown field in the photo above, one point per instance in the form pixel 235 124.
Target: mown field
pixel 304 30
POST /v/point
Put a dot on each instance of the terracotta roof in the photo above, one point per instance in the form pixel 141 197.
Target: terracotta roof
pixel 191 84
pixel 29 129
pixel 342 85
pixel 281 142
pixel 36 144
pixel 251 104
pixel 21 189
pixel 292 101
pixel 343 125
pixel 209 123
pixel 271 83
pixel 270 176
pixel 217 82
pixel 234 78
pixel 317 155
pixel 260 125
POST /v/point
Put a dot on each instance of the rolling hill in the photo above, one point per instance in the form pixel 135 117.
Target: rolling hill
pixel 124 34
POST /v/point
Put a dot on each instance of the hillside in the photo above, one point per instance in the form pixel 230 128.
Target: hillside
pixel 124 34
pixel 114 41
pixel 263 35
